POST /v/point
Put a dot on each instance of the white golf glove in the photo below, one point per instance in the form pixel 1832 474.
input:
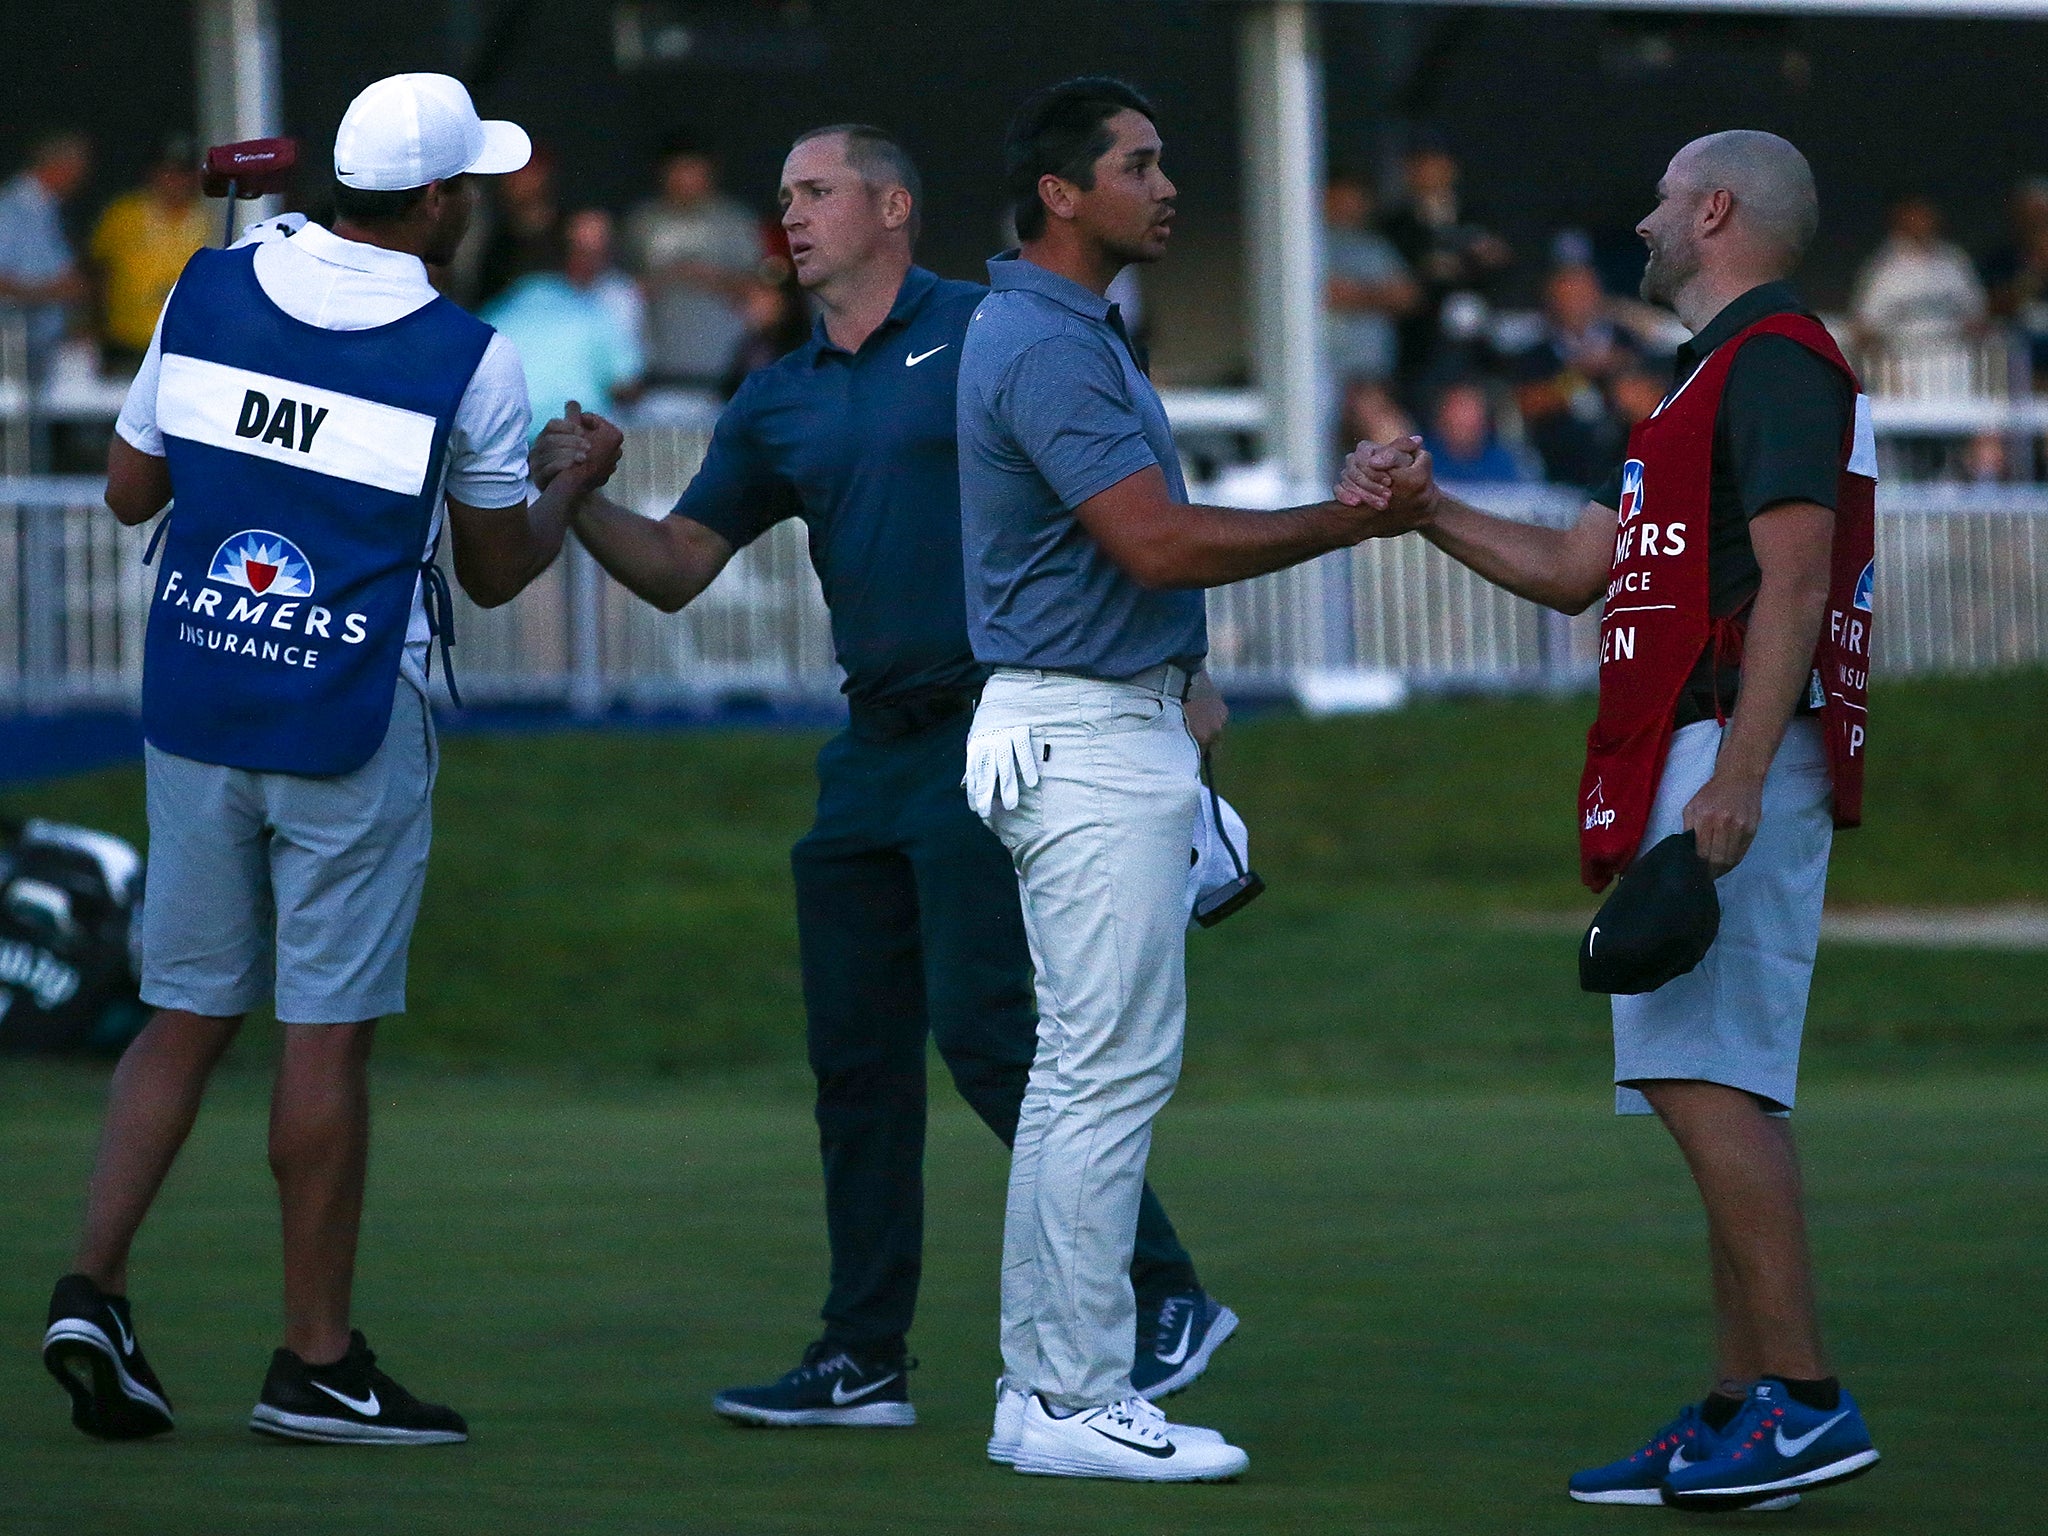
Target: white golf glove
pixel 1000 765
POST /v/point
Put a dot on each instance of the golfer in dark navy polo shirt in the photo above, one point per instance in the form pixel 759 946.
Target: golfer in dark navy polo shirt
pixel 907 907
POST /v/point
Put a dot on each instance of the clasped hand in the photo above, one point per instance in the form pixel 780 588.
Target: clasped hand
pixel 1396 479
pixel 579 447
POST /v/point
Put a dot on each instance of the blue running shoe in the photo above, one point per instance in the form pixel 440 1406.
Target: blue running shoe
pixel 1638 1478
pixel 830 1387
pixel 1176 1342
pixel 1776 1446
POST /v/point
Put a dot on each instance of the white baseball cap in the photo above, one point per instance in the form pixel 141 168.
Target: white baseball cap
pixel 407 130
pixel 1210 862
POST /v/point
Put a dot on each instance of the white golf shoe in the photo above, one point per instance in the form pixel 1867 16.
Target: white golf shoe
pixel 1129 1440
pixel 1008 1431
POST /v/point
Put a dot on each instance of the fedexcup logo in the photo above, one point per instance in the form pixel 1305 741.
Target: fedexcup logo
pixel 1597 813
pixel 1631 489
pixel 1865 584
pixel 268 564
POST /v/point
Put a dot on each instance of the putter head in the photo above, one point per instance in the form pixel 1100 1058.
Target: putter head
pixel 254 167
pixel 1228 898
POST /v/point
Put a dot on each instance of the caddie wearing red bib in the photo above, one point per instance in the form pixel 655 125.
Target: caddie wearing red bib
pixel 1732 553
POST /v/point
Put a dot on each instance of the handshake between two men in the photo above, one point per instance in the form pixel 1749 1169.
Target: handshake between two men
pixel 1386 489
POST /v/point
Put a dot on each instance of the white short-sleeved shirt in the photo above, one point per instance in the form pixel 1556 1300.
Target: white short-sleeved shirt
pixel 315 276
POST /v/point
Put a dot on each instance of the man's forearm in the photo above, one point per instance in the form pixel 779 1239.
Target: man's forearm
pixel 640 554
pixel 1777 661
pixel 1214 546
pixel 1527 559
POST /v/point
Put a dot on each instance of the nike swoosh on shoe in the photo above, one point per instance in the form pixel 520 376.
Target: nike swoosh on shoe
pixel 1789 1448
pixel 368 1407
pixel 1180 1352
pixel 1158 1453
pixel 841 1397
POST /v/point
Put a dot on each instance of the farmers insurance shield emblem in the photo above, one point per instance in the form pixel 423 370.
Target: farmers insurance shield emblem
pixel 268 564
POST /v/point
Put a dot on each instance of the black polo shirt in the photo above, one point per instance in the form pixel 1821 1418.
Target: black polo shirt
pixel 1784 417
pixel 861 446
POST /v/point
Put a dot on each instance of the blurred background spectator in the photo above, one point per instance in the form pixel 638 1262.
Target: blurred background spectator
pixel 1446 251
pixel 38 272
pixel 2016 273
pixel 696 251
pixel 576 339
pixel 1462 440
pixel 1917 291
pixel 1369 410
pixel 141 243
pixel 524 231
pixel 1564 381
pixel 1369 285
pixel 778 319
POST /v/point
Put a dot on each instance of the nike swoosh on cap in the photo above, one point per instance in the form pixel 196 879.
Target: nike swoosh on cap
pixel 368 1407
pixel 1794 1447
pixel 841 1397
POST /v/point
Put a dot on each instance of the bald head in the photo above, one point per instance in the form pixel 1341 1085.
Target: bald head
pixel 1769 180
pixel 1734 210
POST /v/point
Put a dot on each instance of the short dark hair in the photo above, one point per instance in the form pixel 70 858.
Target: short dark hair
pixel 880 158
pixel 1062 131
pixel 359 205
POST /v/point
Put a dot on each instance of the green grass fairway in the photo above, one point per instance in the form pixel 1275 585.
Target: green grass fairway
pixel 1449 1302
pixel 620 903
pixel 595 1196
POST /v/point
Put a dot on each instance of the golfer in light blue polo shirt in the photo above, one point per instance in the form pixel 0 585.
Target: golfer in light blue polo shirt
pixel 1084 567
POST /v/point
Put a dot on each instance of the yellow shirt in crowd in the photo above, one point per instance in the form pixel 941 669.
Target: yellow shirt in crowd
pixel 140 247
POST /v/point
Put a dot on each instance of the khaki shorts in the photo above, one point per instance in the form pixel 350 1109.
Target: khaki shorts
pixel 282 885
pixel 1737 1017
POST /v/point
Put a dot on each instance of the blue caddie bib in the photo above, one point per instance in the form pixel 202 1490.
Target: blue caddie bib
pixel 304 468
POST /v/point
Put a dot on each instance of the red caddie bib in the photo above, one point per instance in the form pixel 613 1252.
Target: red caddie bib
pixel 1655 623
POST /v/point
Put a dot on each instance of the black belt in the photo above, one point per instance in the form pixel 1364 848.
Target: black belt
pixel 906 714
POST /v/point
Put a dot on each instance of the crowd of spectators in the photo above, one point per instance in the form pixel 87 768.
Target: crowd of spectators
pixel 1420 336
pixel 692 289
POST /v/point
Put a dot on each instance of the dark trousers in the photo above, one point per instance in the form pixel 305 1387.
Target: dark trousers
pixel 908 921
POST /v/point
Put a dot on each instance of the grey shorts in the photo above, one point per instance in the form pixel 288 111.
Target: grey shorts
pixel 277 883
pixel 1737 1018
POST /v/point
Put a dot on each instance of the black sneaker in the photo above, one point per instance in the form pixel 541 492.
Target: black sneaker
pixel 350 1402
pixel 1176 1341
pixel 90 1348
pixel 830 1387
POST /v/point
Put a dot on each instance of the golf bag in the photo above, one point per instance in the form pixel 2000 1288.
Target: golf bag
pixel 70 930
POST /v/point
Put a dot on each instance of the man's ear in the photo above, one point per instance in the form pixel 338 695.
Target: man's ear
pixel 1057 194
pixel 1716 211
pixel 896 208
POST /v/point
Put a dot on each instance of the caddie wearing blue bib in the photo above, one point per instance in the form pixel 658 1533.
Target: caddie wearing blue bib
pixel 311 404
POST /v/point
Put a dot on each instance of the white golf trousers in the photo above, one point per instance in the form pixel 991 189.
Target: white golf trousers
pixel 1101 845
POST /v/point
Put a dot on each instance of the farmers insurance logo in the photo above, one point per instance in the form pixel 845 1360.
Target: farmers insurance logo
pixel 1865 585
pixel 1631 489
pixel 268 564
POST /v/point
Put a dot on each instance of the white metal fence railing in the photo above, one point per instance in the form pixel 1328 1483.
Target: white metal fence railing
pixel 1962 587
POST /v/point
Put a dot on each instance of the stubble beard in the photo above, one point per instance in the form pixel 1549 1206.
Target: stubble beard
pixel 1665 273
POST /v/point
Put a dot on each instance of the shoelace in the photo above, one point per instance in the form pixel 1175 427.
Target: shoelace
pixel 1139 1416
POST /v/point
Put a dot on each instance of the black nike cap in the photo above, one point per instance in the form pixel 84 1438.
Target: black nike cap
pixel 1656 925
